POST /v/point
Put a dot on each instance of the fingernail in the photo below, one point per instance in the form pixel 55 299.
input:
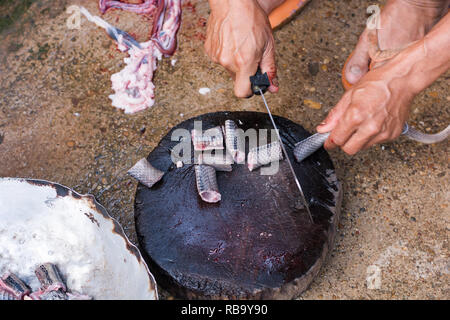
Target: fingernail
pixel 355 70
pixel 322 123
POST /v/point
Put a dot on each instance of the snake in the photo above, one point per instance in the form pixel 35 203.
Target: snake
pixel 308 146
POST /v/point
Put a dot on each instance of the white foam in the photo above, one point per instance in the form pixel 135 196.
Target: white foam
pixel 38 226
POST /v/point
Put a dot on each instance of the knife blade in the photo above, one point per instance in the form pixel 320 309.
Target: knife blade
pixel 116 34
pixel 260 82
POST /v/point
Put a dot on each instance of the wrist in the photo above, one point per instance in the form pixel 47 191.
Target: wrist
pixel 399 76
pixel 422 64
pixel 408 69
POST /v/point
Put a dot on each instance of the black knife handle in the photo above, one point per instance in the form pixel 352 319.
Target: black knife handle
pixel 260 81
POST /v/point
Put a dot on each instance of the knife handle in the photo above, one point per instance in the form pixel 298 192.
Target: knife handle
pixel 260 82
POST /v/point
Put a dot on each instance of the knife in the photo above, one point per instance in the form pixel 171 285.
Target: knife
pixel 116 34
pixel 260 83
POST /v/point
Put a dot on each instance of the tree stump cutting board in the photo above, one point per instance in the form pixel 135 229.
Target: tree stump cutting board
pixel 258 241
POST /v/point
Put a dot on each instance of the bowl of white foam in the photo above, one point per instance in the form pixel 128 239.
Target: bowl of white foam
pixel 42 222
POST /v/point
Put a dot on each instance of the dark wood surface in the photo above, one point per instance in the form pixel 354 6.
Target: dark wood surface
pixel 258 241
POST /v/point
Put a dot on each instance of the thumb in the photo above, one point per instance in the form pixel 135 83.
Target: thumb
pixel 242 86
pixel 268 65
pixel 334 115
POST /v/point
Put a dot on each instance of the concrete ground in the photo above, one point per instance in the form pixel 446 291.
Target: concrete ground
pixel 57 123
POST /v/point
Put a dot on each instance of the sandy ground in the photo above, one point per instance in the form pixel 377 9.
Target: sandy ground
pixel 57 123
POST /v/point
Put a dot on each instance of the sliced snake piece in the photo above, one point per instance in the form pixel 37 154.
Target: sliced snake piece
pixel 233 142
pixel 210 139
pixel 207 183
pixel 145 173
pixel 49 277
pixel 5 295
pixel 14 285
pixel 220 162
pixel 52 285
pixel 263 155
pixel 308 146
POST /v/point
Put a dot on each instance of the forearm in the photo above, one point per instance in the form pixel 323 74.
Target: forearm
pixel 429 58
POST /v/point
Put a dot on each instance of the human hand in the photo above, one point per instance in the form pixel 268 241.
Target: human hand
pixel 373 111
pixel 239 37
